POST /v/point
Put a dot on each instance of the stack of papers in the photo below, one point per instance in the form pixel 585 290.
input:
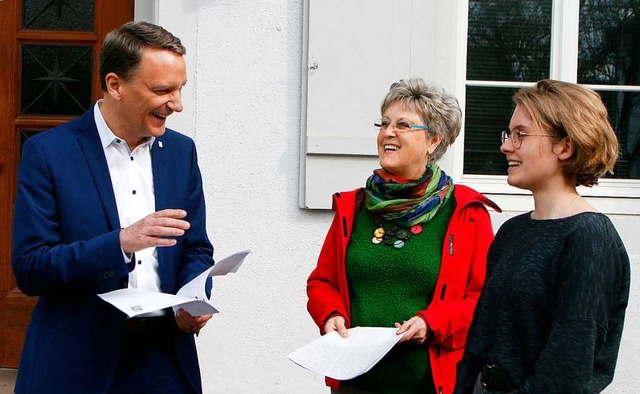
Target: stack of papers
pixel 345 358
pixel 191 297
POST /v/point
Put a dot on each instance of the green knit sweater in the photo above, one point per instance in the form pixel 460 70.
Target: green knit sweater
pixel 388 285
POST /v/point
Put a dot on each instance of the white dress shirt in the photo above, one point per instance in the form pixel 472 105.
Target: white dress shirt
pixel 132 180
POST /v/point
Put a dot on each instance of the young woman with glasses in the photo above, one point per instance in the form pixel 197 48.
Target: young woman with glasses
pixel 407 251
pixel 551 313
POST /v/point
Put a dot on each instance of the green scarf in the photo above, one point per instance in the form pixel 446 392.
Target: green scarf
pixel 407 202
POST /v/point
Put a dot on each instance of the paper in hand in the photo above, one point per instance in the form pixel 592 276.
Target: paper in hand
pixel 345 358
pixel 195 289
pixel 191 297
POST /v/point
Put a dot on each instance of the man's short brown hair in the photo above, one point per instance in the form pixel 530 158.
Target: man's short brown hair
pixel 121 51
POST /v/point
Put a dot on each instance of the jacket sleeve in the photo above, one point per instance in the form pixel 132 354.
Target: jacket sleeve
pixel 323 285
pixel 449 314
pixel 44 262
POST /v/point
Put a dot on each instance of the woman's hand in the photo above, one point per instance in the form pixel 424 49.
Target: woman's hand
pixel 414 329
pixel 336 323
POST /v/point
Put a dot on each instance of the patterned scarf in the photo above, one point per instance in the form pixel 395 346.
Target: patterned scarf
pixel 407 202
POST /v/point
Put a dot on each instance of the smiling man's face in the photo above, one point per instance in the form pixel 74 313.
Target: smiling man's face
pixel 152 93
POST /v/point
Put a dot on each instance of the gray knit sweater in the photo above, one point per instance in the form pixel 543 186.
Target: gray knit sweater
pixel 552 309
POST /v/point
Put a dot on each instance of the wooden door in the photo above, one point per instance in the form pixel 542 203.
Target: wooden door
pixel 48 76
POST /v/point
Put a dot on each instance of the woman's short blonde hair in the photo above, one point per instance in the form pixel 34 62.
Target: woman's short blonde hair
pixel 439 110
pixel 570 110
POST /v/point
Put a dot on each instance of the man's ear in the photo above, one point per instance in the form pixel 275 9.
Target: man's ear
pixel 114 84
pixel 564 149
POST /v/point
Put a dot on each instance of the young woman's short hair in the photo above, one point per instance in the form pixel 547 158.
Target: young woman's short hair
pixel 570 110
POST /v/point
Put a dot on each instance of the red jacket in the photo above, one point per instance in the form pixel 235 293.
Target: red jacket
pixel 462 272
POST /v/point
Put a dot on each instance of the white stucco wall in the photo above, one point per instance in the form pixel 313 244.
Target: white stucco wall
pixel 244 96
pixel 247 129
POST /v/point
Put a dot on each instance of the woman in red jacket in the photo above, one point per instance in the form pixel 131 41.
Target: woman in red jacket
pixel 408 250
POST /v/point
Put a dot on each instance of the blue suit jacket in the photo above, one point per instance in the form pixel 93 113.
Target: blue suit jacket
pixel 66 249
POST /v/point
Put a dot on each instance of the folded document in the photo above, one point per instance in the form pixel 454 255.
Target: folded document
pixel 191 297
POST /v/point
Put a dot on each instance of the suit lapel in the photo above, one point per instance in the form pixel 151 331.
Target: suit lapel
pixel 160 169
pixel 89 142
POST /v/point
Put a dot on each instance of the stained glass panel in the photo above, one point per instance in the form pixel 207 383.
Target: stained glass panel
pixel 76 15
pixel 56 79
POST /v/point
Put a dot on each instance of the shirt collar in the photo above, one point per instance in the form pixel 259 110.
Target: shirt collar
pixel 106 135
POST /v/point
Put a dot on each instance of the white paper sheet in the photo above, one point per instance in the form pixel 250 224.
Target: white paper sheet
pixel 135 302
pixel 191 297
pixel 345 358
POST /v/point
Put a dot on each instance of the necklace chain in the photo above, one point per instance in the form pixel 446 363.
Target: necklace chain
pixel 564 211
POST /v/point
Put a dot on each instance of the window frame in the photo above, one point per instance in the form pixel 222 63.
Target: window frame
pixel 611 196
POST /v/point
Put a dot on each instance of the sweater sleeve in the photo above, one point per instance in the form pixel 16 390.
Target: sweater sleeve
pixel 449 315
pixel 586 323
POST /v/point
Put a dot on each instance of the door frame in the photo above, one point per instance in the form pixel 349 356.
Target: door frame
pixel 15 307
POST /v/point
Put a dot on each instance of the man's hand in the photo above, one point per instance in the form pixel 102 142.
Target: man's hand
pixel 336 323
pixel 154 230
pixel 191 324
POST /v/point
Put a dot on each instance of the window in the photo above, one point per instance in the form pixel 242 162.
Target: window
pixel 512 44
pixel 509 42
pixel 479 50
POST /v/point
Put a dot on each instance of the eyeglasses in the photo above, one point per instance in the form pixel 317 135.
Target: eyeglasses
pixel 401 126
pixel 516 136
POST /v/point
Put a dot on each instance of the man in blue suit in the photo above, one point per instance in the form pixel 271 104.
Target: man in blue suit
pixel 111 200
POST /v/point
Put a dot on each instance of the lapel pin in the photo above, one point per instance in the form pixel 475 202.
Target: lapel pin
pixel 160 144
